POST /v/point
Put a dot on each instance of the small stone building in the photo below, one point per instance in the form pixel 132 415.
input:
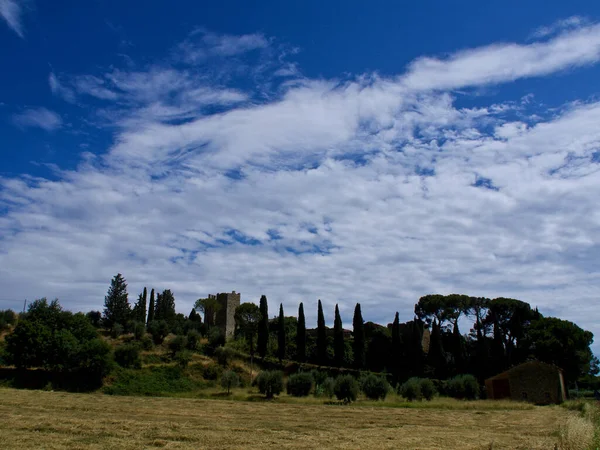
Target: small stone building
pixel 225 317
pixel 533 381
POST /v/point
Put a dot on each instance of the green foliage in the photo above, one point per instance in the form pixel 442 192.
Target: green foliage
pixel 229 380
pixel 152 381
pixel 428 389
pixel 7 318
pixel 247 317
pixel 60 341
pixel 270 383
pixel 177 344
pixel 128 356
pixel 463 387
pixel 411 389
pixel 116 304
pixel 138 313
pixel 359 338
pixel 211 371
pixel 165 307
pixel 209 307
pixel 281 334
pixel 116 330
pixel 346 388
pixel 301 335
pixel 158 329
pixel 375 387
pixel 321 336
pixel 193 340
pixel 183 358
pixel 151 308
pixel 327 388
pixel 95 317
pixel 216 339
pixel 146 343
pixel 224 355
pixel 300 384
pixel 139 330
pixel 263 327
pixel 338 339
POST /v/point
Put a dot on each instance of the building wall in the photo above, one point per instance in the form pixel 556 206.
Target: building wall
pixel 226 313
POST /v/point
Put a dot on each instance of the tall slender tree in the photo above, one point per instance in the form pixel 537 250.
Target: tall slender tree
pixel 436 357
pixel 116 304
pixel 301 335
pixel 151 307
pixel 339 347
pixel 397 350
pixel 263 327
pixel 139 309
pixel 165 307
pixel 358 326
pixel 321 336
pixel 458 350
pixel 281 334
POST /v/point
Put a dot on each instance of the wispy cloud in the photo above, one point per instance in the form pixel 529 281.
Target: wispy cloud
pixel 559 25
pixel 203 44
pixel 38 117
pixel 373 188
pixel 59 89
pixel 12 12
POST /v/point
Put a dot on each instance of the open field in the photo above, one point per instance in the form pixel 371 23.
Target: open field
pixel 35 419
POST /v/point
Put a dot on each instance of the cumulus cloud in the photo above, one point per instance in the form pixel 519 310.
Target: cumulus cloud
pixel 12 11
pixel 38 117
pixel 378 190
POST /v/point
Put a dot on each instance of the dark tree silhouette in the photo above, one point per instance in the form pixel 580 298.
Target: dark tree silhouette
pixel 301 335
pixel 338 339
pixel 263 327
pixel 358 325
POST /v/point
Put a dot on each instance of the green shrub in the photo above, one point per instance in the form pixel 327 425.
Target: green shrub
pixel 128 356
pixel 211 372
pixel 375 387
pixel 463 387
pixel 146 343
pixel 224 355
pixel 158 329
pixel 428 389
pixel 193 340
pixel 229 380
pixel 270 382
pixel 139 330
pixel 183 358
pixel 177 344
pixel 411 389
pixel 152 381
pixel 116 330
pixel 7 318
pixel 216 339
pixel 327 388
pixel 346 388
pixel 300 384
pixel 319 377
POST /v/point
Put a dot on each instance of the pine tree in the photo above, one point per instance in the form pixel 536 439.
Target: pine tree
pixel 321 336
pixel 281 334
pixel 165 307
pixel 151 307
pixel 263 327
pixel 397 351
pixel 301 335
pixel 339 347
pixel 358 332
pixel 116 304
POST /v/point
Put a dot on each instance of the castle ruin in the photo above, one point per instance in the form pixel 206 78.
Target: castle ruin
pixel 225 315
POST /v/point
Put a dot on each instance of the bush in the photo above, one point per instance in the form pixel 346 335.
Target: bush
pixel 139 330
pixel 375 387
pixel 128 356
pixel 116 330
pixel 152 381
pixel 327 388
pixel 146 343
pixel 346 388
pixel 193 340
pixel 229 380
pixel 270 382
pixel 158 329
pixel 183 358
pixel 224 355
pixel 411 389
pixel 300 384
pixel 216 339
pixel 7 318
pixel 463 387
pixel 319 377
pixel 211 372
pixel 177 344
pixel 428 389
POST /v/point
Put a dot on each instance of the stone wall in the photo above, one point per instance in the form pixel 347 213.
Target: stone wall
pixel 226 313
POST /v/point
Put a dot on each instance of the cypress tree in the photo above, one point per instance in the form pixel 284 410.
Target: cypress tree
pixel 338 339
pixel 116 303
pixel 436 358
pixel 416 348
pixel 139 310
pixel 281 334
pixel 263 327
pixel 321 336
pixel 396 348
pixel 358 326
pixel 301 335
pixel 165 307
pixel 458 350
pixel 151 307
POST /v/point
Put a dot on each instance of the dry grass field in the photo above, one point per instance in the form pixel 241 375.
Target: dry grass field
pixel 53 420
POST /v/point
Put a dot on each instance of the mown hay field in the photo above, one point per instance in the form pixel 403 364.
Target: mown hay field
pixel 56 420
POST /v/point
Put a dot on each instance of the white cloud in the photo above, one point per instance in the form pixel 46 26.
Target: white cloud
pixel 364 190
pixel 11 11
pixel 559 25
pixel 38 117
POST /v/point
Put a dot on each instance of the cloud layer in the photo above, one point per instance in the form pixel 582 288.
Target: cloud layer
pixel 369 189
pixel 11 11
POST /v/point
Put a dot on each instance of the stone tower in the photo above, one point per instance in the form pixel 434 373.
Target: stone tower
pixel 226 314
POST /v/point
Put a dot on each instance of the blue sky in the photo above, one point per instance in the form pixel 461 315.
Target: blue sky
pixel 348 151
